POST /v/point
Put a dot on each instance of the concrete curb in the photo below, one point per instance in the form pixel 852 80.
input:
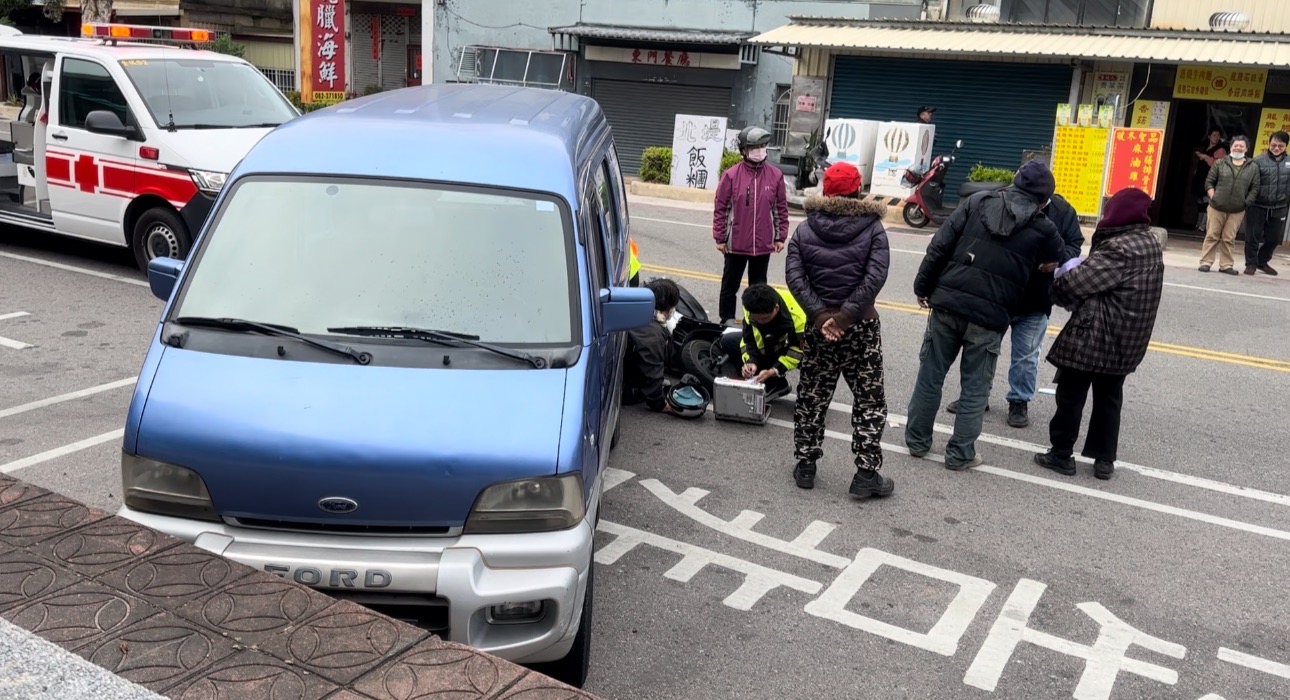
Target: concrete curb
pixel 695 196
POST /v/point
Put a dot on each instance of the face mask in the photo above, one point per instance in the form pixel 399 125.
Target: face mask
pixel 1238 156
pixel 757 155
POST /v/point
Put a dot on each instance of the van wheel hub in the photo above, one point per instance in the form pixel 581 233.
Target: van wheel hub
pixel 161 242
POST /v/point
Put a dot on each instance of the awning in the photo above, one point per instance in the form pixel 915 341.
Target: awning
pixel 966 38
pixel 651 34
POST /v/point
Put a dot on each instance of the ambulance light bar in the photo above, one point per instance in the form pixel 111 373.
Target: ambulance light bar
pixel 131 31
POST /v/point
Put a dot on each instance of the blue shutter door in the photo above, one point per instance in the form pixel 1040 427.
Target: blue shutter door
pixel 997 109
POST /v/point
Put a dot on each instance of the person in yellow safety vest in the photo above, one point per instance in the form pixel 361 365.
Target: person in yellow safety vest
pixel 634 270
pixel 770 344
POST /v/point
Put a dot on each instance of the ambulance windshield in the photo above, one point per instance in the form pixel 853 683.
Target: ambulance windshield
pixel 192 93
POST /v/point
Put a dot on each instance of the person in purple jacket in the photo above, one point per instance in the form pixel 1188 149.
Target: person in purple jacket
pixel 750 218
pixel 837 263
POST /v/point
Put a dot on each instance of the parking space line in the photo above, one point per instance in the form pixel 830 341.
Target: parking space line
pixel 71 396
pixel 1081 490
pixel 72 268
pixel 57 452
pixel 15 314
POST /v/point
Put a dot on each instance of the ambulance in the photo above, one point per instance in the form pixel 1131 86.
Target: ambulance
pixel 125 135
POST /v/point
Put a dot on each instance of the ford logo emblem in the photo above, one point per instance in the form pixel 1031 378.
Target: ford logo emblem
pixel 336 504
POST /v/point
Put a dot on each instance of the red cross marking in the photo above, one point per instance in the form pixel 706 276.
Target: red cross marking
pixel 87 173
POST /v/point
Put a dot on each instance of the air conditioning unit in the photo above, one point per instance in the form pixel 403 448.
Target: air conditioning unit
pixel 1229 21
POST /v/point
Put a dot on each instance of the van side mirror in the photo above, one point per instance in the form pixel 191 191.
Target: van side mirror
pixel 101 121
pixel 625 308
pixel 162 275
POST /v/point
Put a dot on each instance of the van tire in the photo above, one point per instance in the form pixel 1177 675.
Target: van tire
pixel 699 357
pixel 572 669
pixel 159 232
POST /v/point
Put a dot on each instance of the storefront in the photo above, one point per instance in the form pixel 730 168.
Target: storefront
pixel 384 46
pixel 643 78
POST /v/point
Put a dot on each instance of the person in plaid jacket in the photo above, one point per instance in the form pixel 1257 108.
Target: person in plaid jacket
pixel 1115 294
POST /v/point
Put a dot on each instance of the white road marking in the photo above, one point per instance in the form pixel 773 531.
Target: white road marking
pixel 741 526
pixel 1274 668
pixel 944 636
pixel 758 580
pixel 9 342
pixel 79 270
pixel 60 451
pixel 71 396
pixel 1225 291
pixel 1083 491
pixel 1103 660
pixel 15 314
pixel 614 477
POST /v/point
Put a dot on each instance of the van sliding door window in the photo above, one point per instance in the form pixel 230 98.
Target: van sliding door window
pixel 84 87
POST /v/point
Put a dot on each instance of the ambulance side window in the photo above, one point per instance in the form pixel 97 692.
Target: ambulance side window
pixel 86 86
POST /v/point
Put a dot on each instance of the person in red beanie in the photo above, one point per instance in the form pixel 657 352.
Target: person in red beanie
pixel 837 263
pixel 1115 294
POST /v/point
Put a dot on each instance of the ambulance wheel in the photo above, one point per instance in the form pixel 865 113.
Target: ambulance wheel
pixel 913 215
pixel 160 233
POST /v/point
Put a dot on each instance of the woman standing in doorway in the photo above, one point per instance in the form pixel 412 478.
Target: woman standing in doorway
pixel 1232 186
pixel 1212 148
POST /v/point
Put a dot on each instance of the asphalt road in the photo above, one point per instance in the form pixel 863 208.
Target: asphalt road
pixel 719 578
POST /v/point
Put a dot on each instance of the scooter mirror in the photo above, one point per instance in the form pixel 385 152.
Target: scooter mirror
pixel 958 144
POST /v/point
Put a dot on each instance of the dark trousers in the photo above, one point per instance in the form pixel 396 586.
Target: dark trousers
pixel 857 357
pixel 733 274
pixel 1103 426
pixel 1264 229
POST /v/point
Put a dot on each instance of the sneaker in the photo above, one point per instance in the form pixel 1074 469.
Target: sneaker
pixel 1265 269
pixel 976 462
pixel 1018 416
pixel 1229 271
pixel 1103 469
pixel 868 482
pixel 953 407
pixel 1249 269
pixel 1062 465
pixel 804 474
pixel 1203 268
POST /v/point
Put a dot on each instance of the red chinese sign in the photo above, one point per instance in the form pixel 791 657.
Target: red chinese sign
pixel 1135 160
pixel 655 57
pixel 322 49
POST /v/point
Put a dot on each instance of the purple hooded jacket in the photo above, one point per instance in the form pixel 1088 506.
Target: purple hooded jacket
pixel 751 213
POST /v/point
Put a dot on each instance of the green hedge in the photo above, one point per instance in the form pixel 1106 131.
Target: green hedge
pixel 656 164
pixel 984 173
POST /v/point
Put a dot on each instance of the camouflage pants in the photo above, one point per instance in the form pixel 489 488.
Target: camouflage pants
pixel 857 357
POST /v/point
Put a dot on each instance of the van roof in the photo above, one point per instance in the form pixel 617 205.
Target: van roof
pixel 470 133
pixel 76 46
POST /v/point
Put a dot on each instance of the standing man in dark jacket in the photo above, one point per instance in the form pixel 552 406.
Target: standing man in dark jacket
pixel 1030 320
pixel 1265 221
pixel 1116 292
pixel 973 275
pixel 837 263
pixel 749 219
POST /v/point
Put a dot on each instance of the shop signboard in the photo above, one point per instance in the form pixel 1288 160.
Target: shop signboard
pixel 322 51
pixel 1271 121
pixel 1079 161
pixel 1149 114
pixel 1134 160
pixel 1221 83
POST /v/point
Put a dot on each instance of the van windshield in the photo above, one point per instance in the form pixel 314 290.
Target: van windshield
pixel 320 253
pixel 201 93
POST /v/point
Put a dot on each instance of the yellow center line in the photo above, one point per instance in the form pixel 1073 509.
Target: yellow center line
pixel 1166 348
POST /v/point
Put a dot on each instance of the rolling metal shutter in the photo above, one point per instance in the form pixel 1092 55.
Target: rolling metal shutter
pixel 997 109
pixel 644 114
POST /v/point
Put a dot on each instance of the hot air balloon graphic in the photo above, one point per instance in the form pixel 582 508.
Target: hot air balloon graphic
pixel 896 140
pixel 843 137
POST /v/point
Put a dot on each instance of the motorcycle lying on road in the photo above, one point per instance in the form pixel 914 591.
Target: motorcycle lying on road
pixel 926 203
pixel 696 341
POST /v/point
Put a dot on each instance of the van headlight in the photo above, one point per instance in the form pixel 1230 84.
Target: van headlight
pixel 528 505
pixel 150 486
pixel 208 181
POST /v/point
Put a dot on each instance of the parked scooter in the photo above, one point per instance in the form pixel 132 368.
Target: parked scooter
pixel 926 204
pixel 820 156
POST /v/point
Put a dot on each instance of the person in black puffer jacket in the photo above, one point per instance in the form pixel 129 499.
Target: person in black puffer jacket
pixel 837 263
pixel 973 277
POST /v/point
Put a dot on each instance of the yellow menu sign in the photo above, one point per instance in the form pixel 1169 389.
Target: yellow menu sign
pixel 1221 83
pixel 1270 122
pixel 1079 158
pixel 1149 115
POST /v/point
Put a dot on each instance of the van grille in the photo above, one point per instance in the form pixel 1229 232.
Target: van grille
pixel 345 528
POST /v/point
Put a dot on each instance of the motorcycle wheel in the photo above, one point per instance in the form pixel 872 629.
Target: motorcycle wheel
pixel 703 359
pixel 913 215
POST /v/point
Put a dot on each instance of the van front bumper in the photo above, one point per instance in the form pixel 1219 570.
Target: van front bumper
pixel 470 573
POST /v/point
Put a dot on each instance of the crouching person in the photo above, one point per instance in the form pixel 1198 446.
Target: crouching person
pixel 648 349
pixel 837 264
pixel 770 344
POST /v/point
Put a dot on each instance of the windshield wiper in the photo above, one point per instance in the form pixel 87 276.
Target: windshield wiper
pixel 238 324
pixel 201 126
pixel 265 125
pixel 431 335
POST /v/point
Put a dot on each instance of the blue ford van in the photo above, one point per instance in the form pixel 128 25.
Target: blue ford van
pixel 391 366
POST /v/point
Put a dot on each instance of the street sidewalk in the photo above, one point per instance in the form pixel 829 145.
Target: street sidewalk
pixel 99 608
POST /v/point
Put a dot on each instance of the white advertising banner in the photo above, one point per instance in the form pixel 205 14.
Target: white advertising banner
pixel 697 145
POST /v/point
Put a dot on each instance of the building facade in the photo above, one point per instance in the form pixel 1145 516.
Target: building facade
pixel 998 70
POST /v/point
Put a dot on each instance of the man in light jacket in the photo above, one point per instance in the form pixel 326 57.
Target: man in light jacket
pixel 749 219
pixel 1265 221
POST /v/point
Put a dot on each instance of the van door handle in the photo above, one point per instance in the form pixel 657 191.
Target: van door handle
pixel 60 137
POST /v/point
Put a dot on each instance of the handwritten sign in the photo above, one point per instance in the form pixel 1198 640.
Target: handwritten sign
pixel 1079 157
pixel 1221 83
pixel 697 146
pixel 1135 160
